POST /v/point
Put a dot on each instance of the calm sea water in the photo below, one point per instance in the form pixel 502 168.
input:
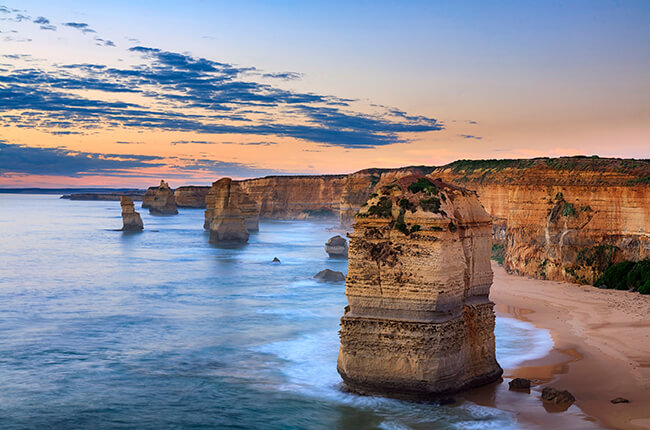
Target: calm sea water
pixel 159 329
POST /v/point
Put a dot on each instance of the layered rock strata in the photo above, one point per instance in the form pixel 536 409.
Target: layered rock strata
pixel 226 222
pixel 247 207
pixel 191 196
pixel 337 247
pixel 160 200
pixel 131 220
pixel 419 322
pixel 250 211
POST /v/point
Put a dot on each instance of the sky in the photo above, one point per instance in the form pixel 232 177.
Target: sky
pixel 125 93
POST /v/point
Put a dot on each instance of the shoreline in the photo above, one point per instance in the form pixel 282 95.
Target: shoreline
pixel 601 351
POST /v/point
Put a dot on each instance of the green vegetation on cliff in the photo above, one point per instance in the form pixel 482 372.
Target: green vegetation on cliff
pixel 627 275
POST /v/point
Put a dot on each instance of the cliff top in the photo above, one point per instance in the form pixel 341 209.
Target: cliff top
pixel 577 170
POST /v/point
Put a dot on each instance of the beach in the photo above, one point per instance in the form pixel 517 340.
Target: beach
pixel 601 346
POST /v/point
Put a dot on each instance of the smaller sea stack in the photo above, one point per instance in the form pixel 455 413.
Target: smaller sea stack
pixel 337 247
pixel 160 200
pixel 226 221
pixel 131 220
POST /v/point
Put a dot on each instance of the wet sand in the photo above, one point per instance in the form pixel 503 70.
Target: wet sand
pixel 601 351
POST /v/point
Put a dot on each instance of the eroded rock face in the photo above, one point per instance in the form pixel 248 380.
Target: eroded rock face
pixel 226 222
pixel 250 211
pixel 247 207
pixel 419 322
pixel 160 200
pixel 191 196
pixel 131 220
pixel 337 247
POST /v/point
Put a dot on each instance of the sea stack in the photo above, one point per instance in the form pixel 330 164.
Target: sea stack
pixel 337 247
pixel 249 210
pixel 226 222
pixel 419 322
pixel 160 200
pixel 131 220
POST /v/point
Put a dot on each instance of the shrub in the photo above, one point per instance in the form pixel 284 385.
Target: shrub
pixel 431 205
pixel 638 275
pixel 645 288
pixel 615 276
pixel 415 227
pixel 568 209
pixel 436 228
pixel 498 252
pixel 452 226
pixel 407 205
pixel 423 185
pixel 400 225
pixel 382 209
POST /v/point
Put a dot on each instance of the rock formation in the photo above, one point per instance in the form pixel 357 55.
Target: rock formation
pixel 131 220
pixel 160 200
pixel 191 196
pixel 419 322
pixel 337 247
pixel 247 207
pixel 328 275
pixel 249 211
pixel 222 213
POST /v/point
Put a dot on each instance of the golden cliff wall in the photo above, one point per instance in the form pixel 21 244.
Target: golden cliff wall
pixel 191 196
pixel 562 219
pixel 419 322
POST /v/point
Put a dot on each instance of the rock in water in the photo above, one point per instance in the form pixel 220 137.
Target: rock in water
pixel 619 400
pixel 275 260
pixel 419 322
pixel 249 211
pixel 226 220
pixel 519 384
pixel 337 247
pixel 160 200
pixel 131 220
pixel 557 397
pixel 328 275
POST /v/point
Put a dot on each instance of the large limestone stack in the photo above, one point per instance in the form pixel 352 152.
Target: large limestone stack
pixel 248 208
pixel 160 200
pixel 131 220
pixel 419 322
pixel 226 222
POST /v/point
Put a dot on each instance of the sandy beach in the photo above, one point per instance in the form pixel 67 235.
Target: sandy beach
pixel 601 351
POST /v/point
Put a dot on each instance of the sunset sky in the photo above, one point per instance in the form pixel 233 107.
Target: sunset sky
pixel 124 93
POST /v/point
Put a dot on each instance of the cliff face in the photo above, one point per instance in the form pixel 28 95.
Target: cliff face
pixel 191 196
pixel 247 207
pixel 226 221
pixel 160 200
pixel 295 196
pixel 131 220
pixel 419 322
pixel 562 219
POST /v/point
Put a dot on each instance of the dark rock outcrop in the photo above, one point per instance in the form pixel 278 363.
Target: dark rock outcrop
pixel 131 220
pixel 222 213
pixel 619 400
pixel 337 247
pixel 160 200
pixel 557 397
pixel 328 275
pixel 519 384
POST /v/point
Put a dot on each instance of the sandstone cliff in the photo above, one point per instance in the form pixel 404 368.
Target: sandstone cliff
pixel 247 207
pixel 223 216
pixel 131 220
pixel 564 218
pixel 160 200
pixel 419 322
pixel 191 196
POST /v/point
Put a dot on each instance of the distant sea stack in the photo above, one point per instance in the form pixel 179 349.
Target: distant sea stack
pixel 191 196
pixel 337 247
pixel 248 208
pixel 419 322
pixel 131 220
pixel 160 200
pixel 225 220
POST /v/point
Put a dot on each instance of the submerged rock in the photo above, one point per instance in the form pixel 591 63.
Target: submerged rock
pixel 275 260
pixel 226 221
pixel 337 247
pixel 131 220
pixel 160 200
pixel 419 323
pixel 328 275
pixel 519 384
pixel 619 400
pixel 557 397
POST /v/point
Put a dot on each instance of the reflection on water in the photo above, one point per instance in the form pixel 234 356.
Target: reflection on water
pixel 104 329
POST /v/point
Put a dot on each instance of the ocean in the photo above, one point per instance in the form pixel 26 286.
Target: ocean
pixel 102 329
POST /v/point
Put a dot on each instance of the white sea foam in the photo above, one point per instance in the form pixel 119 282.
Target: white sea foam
pixel 518 341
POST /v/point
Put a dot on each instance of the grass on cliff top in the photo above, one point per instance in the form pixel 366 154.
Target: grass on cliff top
pixel 627 275
pixel 640 168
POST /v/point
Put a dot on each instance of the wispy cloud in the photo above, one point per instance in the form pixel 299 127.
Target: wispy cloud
pixel 81 26
pixel 469 136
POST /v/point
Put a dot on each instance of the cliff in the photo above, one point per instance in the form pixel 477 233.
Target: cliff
pixel 131 220
pixel 562 218
pixel 160 200
pixel 191 196
pixel 419 322
pixel 226 222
